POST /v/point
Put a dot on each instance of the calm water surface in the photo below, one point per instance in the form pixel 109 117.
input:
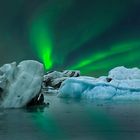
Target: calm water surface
pixel 69 119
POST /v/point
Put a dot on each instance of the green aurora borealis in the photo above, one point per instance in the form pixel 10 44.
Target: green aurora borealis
pixel 92 36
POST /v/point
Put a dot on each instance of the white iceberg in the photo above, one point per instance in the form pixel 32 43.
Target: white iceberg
pixel 121 83
pixel 19 84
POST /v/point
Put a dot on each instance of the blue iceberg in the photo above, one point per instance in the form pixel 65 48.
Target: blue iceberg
pixel 121 83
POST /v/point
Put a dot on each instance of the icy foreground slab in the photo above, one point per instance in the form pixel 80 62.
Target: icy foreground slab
pixel 121 83
pixel 20 83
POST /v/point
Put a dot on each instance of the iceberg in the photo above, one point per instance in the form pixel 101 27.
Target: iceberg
pixel 52 80
pixel 26 84
pixel 20 84
pixel 121 83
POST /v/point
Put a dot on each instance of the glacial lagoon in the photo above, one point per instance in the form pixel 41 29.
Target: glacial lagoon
pixel 70 119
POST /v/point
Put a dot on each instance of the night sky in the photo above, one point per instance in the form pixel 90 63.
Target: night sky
pixel 89 35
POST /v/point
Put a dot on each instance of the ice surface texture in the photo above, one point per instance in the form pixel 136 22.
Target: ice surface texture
pixel 121 83
pixel 20 83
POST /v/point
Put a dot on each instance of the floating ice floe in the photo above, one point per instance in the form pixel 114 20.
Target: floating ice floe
pixel 121 83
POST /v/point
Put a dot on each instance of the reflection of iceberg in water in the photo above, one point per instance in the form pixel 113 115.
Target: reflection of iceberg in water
pixel 121 83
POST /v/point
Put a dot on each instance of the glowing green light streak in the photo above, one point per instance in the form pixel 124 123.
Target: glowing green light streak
pixel 126 59
pixel 41 29
pixel 91 25
pixel 41 39
pixel 116 49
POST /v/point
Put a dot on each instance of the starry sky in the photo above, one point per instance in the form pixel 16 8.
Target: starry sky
pixel 92 36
